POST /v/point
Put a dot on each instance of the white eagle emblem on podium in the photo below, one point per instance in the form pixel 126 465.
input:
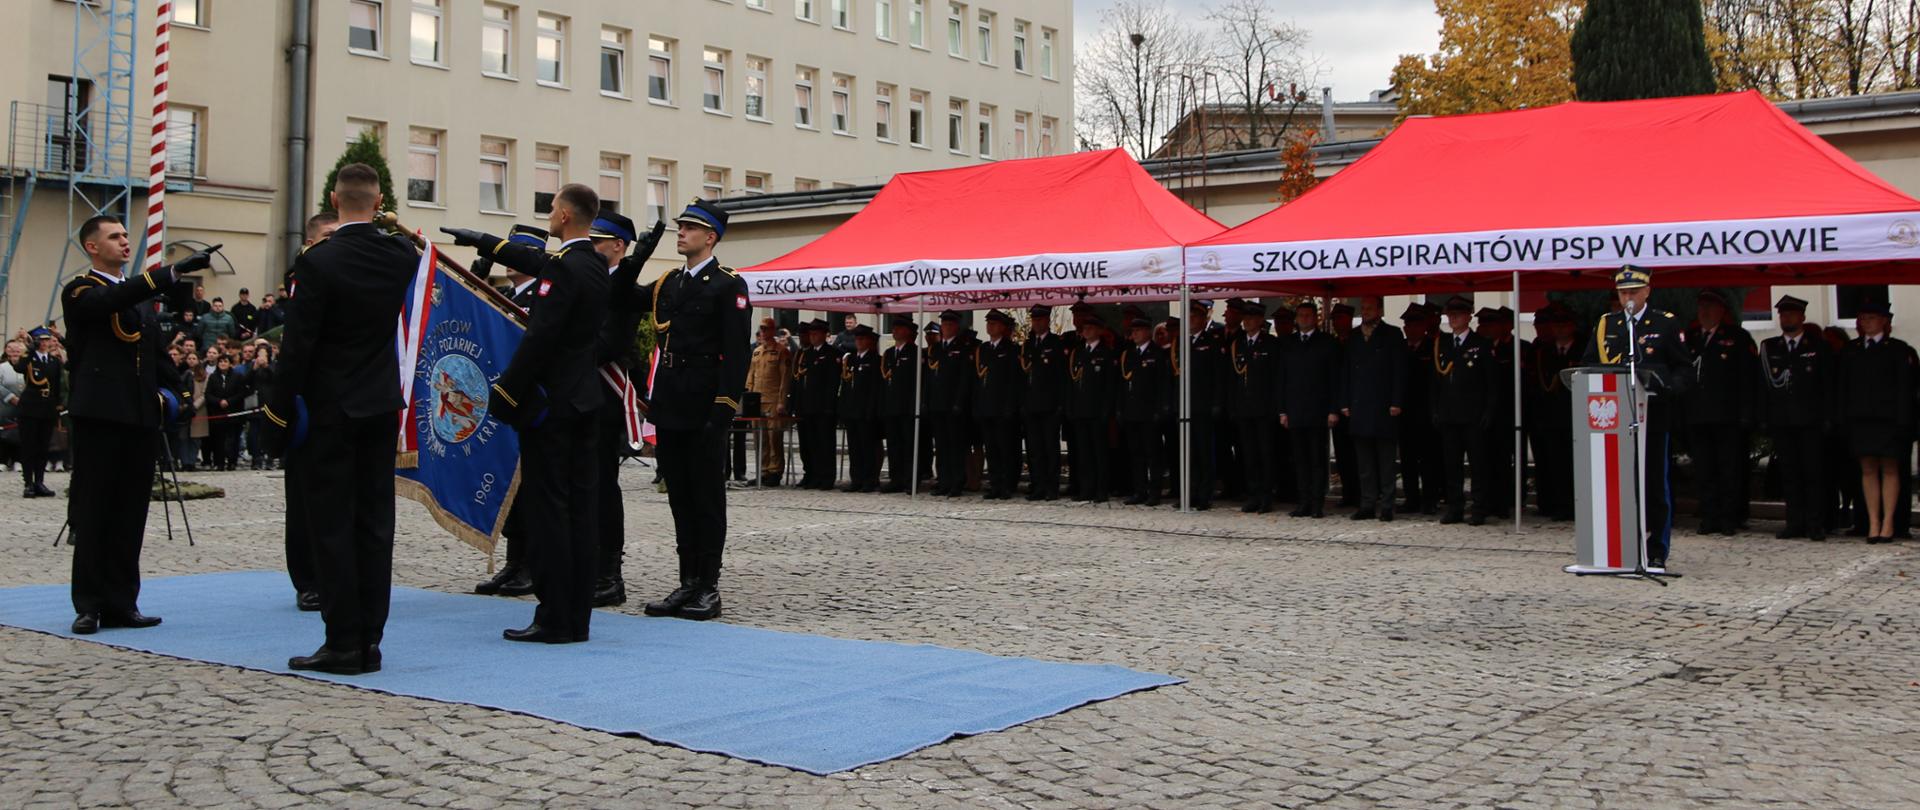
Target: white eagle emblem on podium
pixel 1603 412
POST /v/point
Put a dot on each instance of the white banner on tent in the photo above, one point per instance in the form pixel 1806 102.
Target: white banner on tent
pixel 1851 238
pixel 1127 268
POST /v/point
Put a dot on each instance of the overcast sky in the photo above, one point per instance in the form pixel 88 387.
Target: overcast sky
pixel 1356 41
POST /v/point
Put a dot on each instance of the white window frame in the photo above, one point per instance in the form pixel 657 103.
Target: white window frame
pixel 883 20
pixel 198 15
pixel 883 94
pixel 657 58
pixel 805 79
pixel 617 49
pixel 505 27
pixel 712 70
pixel 1049 130
pixel 617 173
pixel 984 41
pixel 1022 123
pixel 379 8
pixel 984 125
pixel 556 35
pixel 435 150
pixel 357 126
pixel 192 135
pixel 957 30
pixel 917 24
pixel 505 162
pixel 917 109
pixel 842 101
pixel 758 5
pixel 557 166
pixel 1047 38
pixel 805 184
pixel 842 11
pixel 1022 61
pixel 713 182
pixel 759 76
pixel 747 183
pixel 659 190
pixel 805 10
pixel 436 11
pixel 957 126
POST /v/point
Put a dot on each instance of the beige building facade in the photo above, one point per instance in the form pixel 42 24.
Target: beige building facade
pixel 485 108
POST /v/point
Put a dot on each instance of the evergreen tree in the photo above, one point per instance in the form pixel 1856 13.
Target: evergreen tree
pixel 364 149
pixel 1629 49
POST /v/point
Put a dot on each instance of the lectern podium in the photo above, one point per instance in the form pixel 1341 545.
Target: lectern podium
pixel 1609 519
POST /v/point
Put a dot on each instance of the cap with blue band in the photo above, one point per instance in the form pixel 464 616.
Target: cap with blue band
pixel 703 214
pixel 612 225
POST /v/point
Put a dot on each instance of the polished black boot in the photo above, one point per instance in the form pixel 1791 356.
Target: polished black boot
pixel 609 591
pixel 674 601
pixel 704 605
pixel 307 601
pixel 332 661
pixel 507 573
pixel 534 633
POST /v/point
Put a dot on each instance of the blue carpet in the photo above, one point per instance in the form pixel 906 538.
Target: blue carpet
pixel 810 703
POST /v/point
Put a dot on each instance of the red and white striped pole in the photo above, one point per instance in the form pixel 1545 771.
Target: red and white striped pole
pixel 157 167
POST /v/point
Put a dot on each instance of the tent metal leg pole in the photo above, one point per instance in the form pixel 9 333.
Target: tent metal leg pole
pixel 919 389
pixel 1183 462
pixel 1519 438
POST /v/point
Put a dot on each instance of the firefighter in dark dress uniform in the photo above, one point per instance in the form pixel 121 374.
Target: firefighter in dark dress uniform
pixel 1308 386
pixel 996 386
pixel 1043 359
pixel 38 411
pixel 1374 383
pixel 119 369
pixel 949 366
pixel 1720 410
pixel 1230 457
pixel 1461 374
pixel 1339 324
pixel 612 234
pixel 1253 398
pixel 1549 419
pixel 1207 370
pixel 550 393
pixel 1798 375
pixel 1146 375
pixel 1497 326
pixel 860 402
pixel 1094 373
pixel 702 315
pixel 900 371
pixel 811 398
pixel 1666 371
pixel 515 578
pixel 1422 478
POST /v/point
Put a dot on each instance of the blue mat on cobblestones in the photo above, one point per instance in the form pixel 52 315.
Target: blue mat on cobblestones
pixel 810 703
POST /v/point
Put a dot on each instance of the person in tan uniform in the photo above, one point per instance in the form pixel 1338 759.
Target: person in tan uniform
pixel 768 374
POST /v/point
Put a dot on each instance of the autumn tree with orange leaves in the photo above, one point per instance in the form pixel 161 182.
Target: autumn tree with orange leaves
pixel 1494 55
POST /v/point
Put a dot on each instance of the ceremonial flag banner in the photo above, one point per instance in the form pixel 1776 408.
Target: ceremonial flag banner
pixel 465 465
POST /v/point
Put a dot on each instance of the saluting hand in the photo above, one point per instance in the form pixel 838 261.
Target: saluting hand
pixel 649 241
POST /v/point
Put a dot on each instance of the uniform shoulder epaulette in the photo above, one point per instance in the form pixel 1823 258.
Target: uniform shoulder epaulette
pixel 82 283
pixel 728 270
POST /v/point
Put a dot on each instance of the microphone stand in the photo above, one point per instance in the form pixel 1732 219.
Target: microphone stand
pixel 1638 420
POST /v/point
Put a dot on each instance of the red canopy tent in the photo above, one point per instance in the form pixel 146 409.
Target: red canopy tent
pixel 1716 190
pixel 1090 226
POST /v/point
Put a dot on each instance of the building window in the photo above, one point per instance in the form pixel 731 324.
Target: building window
pixel 659 70
pixel 659 190
pixel 715 97
pixel 986 37
pixel 495 169
pixel 359 127
pixel 843 105
pixel 364 25
pixel 1047 126
pixel 613 181
pixel 986 130
pixel 883 19
pixel 756 88
pixel 613 61
pixel 184 133
pixel 496 41
pixel 803 9
pixel 883 112
pixel 713 183
pixel 549 164
pixel 428 32
pixel 803 97
pixel 757 5
pixel 957 126
pixel 1046 52
pixel 1019 134
pixel 956 29
pixel 423 165
pixel 1020 45
pixel 917 118
pixel 917 23
pixel 190 12
pixel 756 184
pixel 843 14
pixel 805 184
pixel 550 50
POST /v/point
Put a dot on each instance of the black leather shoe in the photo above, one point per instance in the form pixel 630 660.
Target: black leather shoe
pixel 1301 512
pixel 674 601
pixel 1874 541
pixel 704 605
pixel 610 591
pixel 536 633
pixel 131 619
pixel 1449 518
pixel 1788 533
pixel 29 493
pixel 308 601
pixel 1135 500
pixel 335 662
pixel 1817 536
pixel 86 624
pixel 1366 514
pixel 370 658
pixel 506 574
pixel 42 488
pixel 1386 516
pixel 1477 519
pixel 1657 562
pixel 520 585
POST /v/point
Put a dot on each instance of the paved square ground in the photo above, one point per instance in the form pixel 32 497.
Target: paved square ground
pixel 1331 663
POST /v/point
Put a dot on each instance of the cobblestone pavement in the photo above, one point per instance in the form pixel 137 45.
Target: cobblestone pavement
pixel 1331 663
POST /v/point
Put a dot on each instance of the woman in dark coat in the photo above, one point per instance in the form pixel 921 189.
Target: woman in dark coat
pixel 1877 395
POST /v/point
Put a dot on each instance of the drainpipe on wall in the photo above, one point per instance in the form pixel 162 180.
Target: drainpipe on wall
pixel 1326 115
pixel 297 128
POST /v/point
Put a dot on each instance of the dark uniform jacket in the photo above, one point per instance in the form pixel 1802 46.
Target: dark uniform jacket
pixel 1208 368
pixel 1799 384
pixel 1417 365
pixel 1095 378
pixel 861 385
pixel 1044 360
pixel 816 382
pixel 997 379
pixel 1462 380
pixel 1375 380
pixel 353 284
pixel 1309 381
pixel 1666 367
pixel 950 370
pixel 113 343
pixel 702 319
pixel 41 398
pixel 1877 382
pixel 1503 358
pixel 1254 376
pixel 898 368
pixel 1549 402
pixel 1725 366
pixel 556 353
pixel 1146 377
